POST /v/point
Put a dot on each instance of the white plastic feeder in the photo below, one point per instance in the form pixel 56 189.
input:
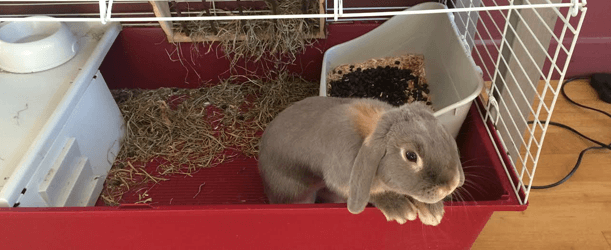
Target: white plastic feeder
pixel 60 129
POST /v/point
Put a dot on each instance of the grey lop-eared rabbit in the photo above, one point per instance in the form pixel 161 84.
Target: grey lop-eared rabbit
pixel 356 150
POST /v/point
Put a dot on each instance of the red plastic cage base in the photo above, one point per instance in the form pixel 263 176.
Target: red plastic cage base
pixel 230 211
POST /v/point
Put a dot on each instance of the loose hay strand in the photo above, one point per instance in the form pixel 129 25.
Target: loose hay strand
pixel 184 130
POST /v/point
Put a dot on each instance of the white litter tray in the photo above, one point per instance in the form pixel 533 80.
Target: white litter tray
pixel 60 129
pixel 454 79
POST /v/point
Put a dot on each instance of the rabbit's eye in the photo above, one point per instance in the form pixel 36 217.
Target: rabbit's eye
pixel 411 156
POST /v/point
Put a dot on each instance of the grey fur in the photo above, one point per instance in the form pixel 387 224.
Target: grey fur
pixel 314 144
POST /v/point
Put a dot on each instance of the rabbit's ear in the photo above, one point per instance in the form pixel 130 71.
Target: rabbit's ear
pixel 363 171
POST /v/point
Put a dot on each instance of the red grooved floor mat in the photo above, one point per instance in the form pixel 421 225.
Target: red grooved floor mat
pixel 235 182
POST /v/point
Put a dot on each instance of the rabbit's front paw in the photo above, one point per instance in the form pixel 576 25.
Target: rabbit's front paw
pixel 430 214
pixel 395 207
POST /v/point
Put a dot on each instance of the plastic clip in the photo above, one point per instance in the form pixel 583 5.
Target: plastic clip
pixel 493 103
pixel 105 11
pixel 577 6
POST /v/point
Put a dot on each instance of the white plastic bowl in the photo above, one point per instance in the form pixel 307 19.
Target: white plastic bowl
pixel 33 46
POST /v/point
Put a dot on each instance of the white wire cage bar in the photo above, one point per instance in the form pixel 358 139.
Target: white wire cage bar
pixel 105 12
pixel 523 48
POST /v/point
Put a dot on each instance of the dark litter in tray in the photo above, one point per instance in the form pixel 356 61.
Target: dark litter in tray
pixel 390 84
pixel 395 80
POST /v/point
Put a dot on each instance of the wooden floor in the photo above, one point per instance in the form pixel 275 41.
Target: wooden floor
pixel 576 214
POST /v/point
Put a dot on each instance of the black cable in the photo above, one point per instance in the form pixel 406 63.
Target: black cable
pixel 570 174
pixel 576 132
pixel 573 102
pixel 579 159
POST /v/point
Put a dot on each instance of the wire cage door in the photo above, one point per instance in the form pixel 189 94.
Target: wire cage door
pixel 524 53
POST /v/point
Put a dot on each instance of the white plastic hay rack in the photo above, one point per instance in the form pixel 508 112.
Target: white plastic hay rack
pixel 521 47
pixel 60 128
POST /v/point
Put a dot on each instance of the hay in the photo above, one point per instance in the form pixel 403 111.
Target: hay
pixel 184 130
pixel 277 41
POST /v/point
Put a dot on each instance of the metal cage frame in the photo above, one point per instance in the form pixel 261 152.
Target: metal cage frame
pixel 508 39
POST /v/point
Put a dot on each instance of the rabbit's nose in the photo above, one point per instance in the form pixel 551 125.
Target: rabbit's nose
pixel 441 191
pixel 449 186
pixel 444 191
pixel 461 179
pixel 457 181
